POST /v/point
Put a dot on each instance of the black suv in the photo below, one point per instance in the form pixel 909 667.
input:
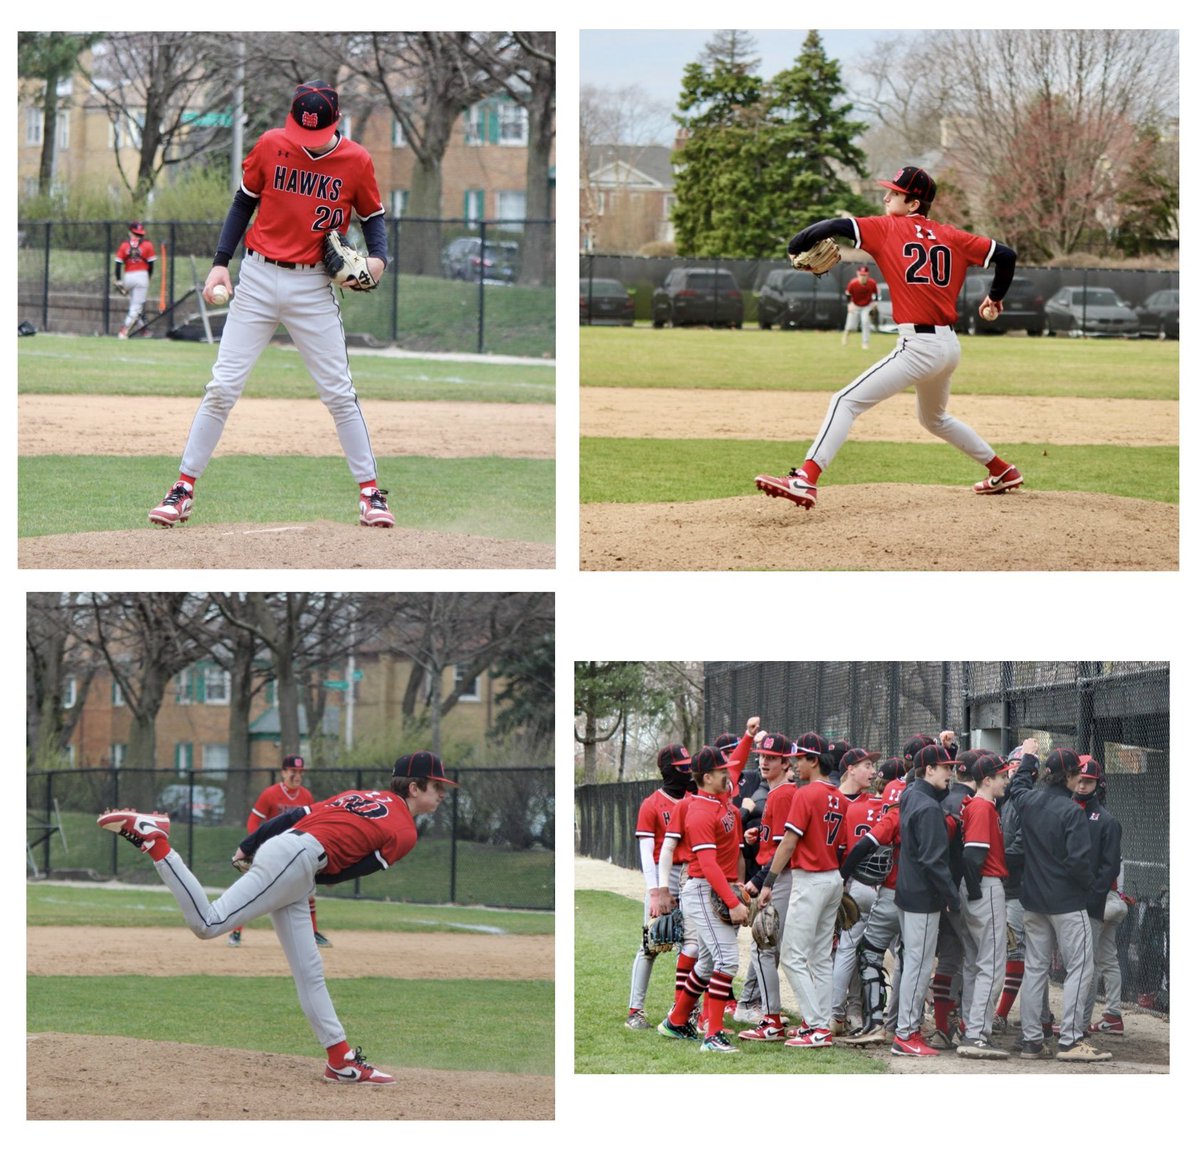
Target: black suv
pixel 799 300
pixel 699 296
pixel 1024 307
pixel 468 258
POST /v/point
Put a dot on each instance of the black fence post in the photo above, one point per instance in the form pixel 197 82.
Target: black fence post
pixel 394 249
pixel 482 272
pixel 49 810
pixel 454 845
pixel 46 280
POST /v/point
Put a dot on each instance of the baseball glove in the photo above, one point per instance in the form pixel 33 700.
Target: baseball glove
pixel 848 914
pixel 722 910
pixel 664 933
pixel 119 286
pixel 346 266
pixel 242 864
pixel 765 927
pixel 1012 943
pixel 819 259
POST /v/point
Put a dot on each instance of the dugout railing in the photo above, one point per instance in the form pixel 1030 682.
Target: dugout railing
pixel 431 300
pixel 1119 712
pixel 643 275
pixel 491 842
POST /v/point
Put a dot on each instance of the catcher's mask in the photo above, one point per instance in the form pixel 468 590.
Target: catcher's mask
pixel 875 867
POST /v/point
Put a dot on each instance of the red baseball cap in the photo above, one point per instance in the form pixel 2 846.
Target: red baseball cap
pixel 314 115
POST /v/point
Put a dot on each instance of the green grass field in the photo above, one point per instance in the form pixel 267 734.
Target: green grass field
pixel 426 493
pixel 261 1013
pixel 607 932
pixel 621 470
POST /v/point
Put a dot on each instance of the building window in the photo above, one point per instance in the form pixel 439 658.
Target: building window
pixel 513 125
pixel 127 131
pixel 474 204
pixel 215 756
pixel 70 688
pixel 183 755
pixel 344 127
pixel 498 121
pixel 118 696
pixel 398 138
pixel 33 125
pixel 217 685
pixel 71 756
pixel 466 690
pixel 399 202
pixel 183 688
pixel 116 754
pixel 63 130
pixel 510 209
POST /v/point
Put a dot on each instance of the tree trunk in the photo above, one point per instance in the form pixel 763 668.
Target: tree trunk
pixel 537 257
pixel 49 134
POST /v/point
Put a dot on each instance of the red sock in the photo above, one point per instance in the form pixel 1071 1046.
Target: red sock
pixel 996 466
pixel 812 471
pixel 720 991
pixel 943 1004
pixel 189 481
pixel 338 1052
pixel 683 967
pixel 363 486
pixel 158 848
pixel 686 999
pixel 1013 973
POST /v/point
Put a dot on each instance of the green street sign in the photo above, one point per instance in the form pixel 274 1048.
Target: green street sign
pixel 337 684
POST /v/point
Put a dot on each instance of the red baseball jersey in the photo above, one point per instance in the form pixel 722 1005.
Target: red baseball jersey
pixel 862 815
pixel 892 792
pixel 981 827
pixel 358 823
pixel 682 854
pixel 273 801
pixel 818 815
pixel 924 264
pixel 713 827
pixel 654 816
pixel 862 293
pixel 137 257
pixel 774 814
pixel 300 196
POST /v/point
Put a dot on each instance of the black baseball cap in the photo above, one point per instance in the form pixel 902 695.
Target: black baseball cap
pixel 671 755
pixel 811 745
pixel 891 768
pixel 421 766
pixel 706 761
pixel 294 763
pixel 915 183
pixel 929 755
pixel 137 228
pixel 1090 767
pixel 852 757
pixel 1066 760
pixel 314 115
pixel 987 764
pixel 836 750
pixel 916 742
pixel 725 741
pixel 777 745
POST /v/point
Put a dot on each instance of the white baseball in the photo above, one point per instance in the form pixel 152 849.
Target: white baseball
pixel 989 312
pixel 220 294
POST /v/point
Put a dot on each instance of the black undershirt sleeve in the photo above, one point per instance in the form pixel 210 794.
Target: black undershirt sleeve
pixel 234 228
pixel 842 226
pixel 1004 260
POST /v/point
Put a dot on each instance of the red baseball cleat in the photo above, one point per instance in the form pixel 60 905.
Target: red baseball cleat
pixel 355 1068
pixel 142 829
pixel 176 506
pixel 795 487
pixel 1009 479
pixel 373 509
pixel 914 1046
pixel 816 1038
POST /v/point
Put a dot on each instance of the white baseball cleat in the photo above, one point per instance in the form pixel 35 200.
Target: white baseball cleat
pixel 1009 479
pixel 795 487
pixel 139 828
pixel 354 1068
pixel 176 506
pixel 373 509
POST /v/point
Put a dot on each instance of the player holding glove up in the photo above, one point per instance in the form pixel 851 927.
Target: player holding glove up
pixel 924 264
pixel 298 182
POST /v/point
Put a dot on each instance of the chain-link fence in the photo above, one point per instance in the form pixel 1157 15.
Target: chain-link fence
pixel 452 285
pixel 490 843
pixel 1119 712
pixel 645 276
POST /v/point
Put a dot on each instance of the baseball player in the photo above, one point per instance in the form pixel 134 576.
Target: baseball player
pixel 985 936
pixel 924 887
pixel 776 757
pixel 863 811
pixel 1055 890
pixel 812 847
pixel 285 794
pixel 924 262
pixel 861 293
pixel 346 836
pixel 298 182
pixel 1106 908
pixel 713 832
pixel 133 267
pixel 654 815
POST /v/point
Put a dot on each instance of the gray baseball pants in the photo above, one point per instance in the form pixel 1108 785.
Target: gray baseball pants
pixel 919 933
pixel 1073 933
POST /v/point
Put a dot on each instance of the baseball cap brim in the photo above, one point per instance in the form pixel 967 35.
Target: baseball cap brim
pixel 307 137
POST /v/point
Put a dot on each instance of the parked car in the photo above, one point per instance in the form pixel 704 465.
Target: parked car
pixel 698 296
pixel 469 258
pixel 603 301
pixel 799 300
pixel 1158 315
pixel 207 804
pixel 1024 307
pixel 1095 312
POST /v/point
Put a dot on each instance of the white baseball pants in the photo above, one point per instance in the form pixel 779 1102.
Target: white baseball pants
pixel 845 959
pixel 858 316
pixel 138 284
pixel 806 954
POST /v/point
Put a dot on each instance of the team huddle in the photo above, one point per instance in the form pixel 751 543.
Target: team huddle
pixel 968 870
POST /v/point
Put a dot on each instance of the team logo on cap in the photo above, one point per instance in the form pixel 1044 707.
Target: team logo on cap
pixel 309 120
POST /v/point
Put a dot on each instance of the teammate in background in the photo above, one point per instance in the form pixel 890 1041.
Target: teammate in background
pixel 713 832
pixel 812 846
pixel 862 292
pixel 303 179
pixel 654 814
pixel 891 776
pixel 133 267
pixel 761 1004
pixel 924 263
pixel 924 888
pixel 1055 890
pixel 287 793
pixel 346 836
pixel 1106 908
pixel 984 935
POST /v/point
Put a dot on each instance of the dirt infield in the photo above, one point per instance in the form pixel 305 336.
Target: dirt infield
pixel 1144 1050
pixel 874 526
pixel 129 426
pixel 76 1076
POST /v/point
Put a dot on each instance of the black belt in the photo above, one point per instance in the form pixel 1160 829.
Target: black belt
pixel 286 263
pixel 300 833
pixel 916 328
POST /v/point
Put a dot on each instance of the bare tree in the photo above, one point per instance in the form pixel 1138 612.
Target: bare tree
pixel 54 654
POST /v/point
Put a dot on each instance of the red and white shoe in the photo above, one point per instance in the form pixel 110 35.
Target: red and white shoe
pixel 795 487
pixel 355 1068
pixel 914 1046
pixel 373 509
pixel 816 1038
pixel 763 1032
pixel 142 829
pixel 176 506
pixel 1009 479
pixel 1109 1026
